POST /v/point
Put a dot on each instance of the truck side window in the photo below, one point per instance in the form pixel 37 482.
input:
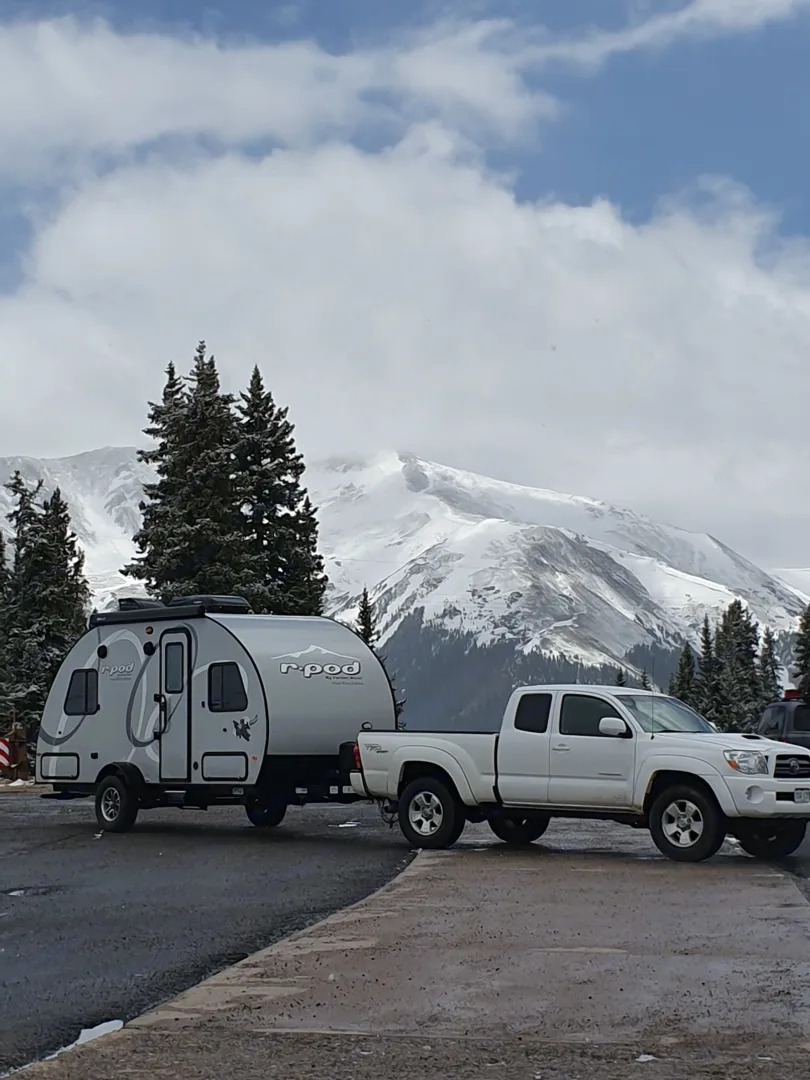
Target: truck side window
pixel 533 712
pixel 801 718
pixel 82 693
pixel 771 722
pixel 581 713
pixel 226 691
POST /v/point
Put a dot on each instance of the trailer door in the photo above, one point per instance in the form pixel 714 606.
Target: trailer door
pixel 174 700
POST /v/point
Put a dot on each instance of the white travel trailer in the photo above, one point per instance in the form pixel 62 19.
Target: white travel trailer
pixel 199 702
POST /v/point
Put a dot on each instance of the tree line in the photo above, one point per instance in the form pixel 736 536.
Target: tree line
pixel 734 674
pixel 227 513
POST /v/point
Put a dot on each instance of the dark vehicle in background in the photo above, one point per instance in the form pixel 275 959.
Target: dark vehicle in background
pixel 787 720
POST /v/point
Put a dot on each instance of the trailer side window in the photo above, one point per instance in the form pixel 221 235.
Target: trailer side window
pixel 532 713
pixel 82 693
pixel 226 691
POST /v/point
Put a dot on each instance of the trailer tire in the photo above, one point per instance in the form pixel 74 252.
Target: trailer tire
pixel 519 831
pixel 430 814
pixel 686 824
pixel 116 804
pixel 263 816
pixel 771 839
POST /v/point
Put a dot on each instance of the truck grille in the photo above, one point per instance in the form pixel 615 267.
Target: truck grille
pixel 791 767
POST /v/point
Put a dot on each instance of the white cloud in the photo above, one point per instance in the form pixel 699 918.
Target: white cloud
pixel 403 297
pixel 698 19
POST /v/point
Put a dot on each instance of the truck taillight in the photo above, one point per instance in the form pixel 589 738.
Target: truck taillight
pixel 358 764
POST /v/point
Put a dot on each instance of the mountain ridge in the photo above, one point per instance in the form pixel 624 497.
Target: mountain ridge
pixel 563 574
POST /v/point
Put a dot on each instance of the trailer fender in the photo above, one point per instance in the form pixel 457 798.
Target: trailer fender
pixel 129 773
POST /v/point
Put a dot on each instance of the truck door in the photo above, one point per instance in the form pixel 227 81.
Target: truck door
pixel 174 705
pixel 522 752
pixel 589 769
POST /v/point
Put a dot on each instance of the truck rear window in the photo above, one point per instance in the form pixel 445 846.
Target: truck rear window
pixel 533 712
pixel 800 721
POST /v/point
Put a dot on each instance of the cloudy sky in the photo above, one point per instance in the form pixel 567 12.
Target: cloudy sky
pixel 561 242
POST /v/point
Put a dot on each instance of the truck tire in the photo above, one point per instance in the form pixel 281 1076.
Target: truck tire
pixel 116 805
pixel 770 839
pixel 263 816
pixel 519 831
pixel 430 815
pixel 686 824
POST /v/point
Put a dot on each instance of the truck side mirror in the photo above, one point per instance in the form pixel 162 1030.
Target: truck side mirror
pixel 614 727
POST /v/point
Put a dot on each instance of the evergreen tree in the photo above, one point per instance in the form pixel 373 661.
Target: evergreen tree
pixel 280 525
pixel 707 680
pixel 5 576
pixel 645 680
pixel 768 668
pixel 683 682
pixel 801 655
pixel 736 646
pixel 47 600
pixel 366 623
pixel 621 677
pixel 192 537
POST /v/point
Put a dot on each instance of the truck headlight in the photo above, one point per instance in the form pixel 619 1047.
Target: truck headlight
pixel 749 762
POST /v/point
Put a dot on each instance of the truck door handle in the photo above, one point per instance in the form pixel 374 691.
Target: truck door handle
pixel 561 747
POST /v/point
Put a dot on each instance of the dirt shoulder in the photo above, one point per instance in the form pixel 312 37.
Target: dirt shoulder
pixel 486 962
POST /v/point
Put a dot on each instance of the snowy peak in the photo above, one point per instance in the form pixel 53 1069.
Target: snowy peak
pixel 547 570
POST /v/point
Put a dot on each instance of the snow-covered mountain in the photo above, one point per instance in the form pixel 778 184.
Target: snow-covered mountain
pixel 559 573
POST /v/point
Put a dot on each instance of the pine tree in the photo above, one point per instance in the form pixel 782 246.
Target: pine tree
pixel 768 668
pixel 645 680
pixel 5 576
pixel 47 601
pixel 280 524
pixel 707 680
pixel 801 655
pixel 736 646
pixel 366 622
pixel 621 677
pixel 192 538
pixel 683 682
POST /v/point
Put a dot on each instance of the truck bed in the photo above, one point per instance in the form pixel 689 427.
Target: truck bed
pixel 470 753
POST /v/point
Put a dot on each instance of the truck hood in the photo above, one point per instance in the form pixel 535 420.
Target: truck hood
pixel 720 741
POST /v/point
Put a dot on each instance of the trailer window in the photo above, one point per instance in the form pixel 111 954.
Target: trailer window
pixel 532 713
pixel 226 691
pixel 173 668
pixel 82 693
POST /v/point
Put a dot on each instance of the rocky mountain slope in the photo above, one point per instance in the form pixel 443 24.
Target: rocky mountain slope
pixel 493 561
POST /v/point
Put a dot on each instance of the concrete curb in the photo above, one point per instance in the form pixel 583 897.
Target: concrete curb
pixel 28 789
pixel 230 976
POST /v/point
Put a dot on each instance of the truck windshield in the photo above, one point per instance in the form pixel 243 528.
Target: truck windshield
pixel 658 713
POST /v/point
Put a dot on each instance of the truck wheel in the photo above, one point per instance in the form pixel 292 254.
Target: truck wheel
pixel 771 839
pixel 430 815
pixel 116 805
pixel 519 831
pixel 687 825
pixel 265 817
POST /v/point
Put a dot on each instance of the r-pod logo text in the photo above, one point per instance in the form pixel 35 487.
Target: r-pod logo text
pixel 308 670
pixel 117 671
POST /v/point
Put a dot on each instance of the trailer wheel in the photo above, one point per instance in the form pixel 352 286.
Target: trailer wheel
pixel 430 815
pixel 263 816
pixel 686 824
pixel 519 831
pixel 116 805
pixel 771 839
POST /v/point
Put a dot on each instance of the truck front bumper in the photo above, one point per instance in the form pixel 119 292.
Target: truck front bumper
pixel 764 797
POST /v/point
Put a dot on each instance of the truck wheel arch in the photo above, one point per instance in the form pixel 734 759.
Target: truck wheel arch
pixel 666 778
pixel 416 770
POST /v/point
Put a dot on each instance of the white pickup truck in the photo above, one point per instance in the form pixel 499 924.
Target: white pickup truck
pixel 631 756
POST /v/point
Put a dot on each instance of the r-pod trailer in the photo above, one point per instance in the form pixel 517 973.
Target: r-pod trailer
pixel 200 702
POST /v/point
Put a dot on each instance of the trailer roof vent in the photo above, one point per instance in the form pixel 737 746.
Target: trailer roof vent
pixel 138 603
pixel 222 605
